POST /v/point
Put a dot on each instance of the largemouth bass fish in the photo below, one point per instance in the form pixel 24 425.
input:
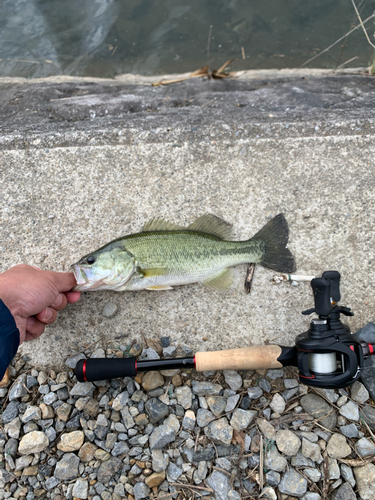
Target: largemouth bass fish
pixel 164 255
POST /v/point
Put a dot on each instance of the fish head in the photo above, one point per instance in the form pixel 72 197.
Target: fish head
pixel 108 268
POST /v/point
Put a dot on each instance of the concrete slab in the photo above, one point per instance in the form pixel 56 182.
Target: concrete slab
pixel 82 163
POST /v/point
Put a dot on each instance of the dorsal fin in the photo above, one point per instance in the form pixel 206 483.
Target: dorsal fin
pixel 159 224
pixel 211 224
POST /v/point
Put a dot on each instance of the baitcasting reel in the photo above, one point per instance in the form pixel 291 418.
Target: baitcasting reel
pixel 328 355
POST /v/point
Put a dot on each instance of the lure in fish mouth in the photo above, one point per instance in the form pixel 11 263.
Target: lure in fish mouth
pixel 164 255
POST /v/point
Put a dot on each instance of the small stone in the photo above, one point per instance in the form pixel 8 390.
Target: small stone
pixel 254 392
pixel 275 461
pixel 63 412
pixel 173 422
pixel 150 354
pixel 265 385
pixel 206 388
pixel 160 460
pixel 127 418
pixel 311 450
pixel 368 415
pixel 67 468
pixel 293 484
pixel 50 483
pixel 278 404
pixel 176 381
pixel 86 453
pixel 141 420
pixel 19 389
pixel 82 389
pixel 313 474
pixel 102 455
pixel 233 379
pixel 109 310
pixel 73 360
pixel 350 411
pixel 156 410
pixel 91 408
pixel 141 490
pixel 220 432
pixel 365 447
pixel 275 373
pixel 71 441
pixel 10 412
pixel 152 380
pixel 350 431
pixel 338 447
pixel 220 484
pixel 204 417
pixel 290 383
pixel 289 393
pixel 359 392
pixel 273 478
pixel 47 411
pixel 184 396
pixel 50 398
pixel 31 413
pixel 13 429
pixel 287 442
pixel 173 472
pixel 120 448
pixel 317 407
pixel 168 352
pixel 108 469
pixel 241 419
pixel 333 469
pixel 216 404
pixel 365 477
pixel 33 442
pixel 135 350
pixel 301 461
pixel 80 489
pixel 155 479
pixel 161 436
pixel 232 403
pixel 165 341
pixel 266 428
pixel 189 421
pixel 120 401
pixel 345 492
pixel 347 474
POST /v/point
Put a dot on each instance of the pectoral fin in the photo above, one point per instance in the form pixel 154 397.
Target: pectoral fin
pixel 153 272
pixel 223 280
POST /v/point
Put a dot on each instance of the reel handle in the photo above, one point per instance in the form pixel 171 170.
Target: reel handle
pixel 322 296
pixel 334 278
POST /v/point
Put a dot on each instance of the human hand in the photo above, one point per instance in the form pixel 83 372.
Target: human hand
pixel 34 296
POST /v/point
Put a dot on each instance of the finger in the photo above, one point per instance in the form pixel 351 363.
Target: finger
pixel 34 327
pixel 60 302
pixel 47 316
pixel 31 336
pixel 63 281
pixel 73 297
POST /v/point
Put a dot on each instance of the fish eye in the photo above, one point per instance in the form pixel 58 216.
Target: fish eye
pixel 90 260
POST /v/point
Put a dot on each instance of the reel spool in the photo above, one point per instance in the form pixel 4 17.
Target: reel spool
pixel 328 355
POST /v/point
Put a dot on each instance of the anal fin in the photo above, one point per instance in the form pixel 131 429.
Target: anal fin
pixel 223 280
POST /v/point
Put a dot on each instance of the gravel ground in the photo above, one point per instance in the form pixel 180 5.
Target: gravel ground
pixel 182 435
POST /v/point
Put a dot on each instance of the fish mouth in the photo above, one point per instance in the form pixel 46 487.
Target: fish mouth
pixel 81 278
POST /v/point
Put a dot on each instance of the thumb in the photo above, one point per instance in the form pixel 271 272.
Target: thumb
pixel 63 281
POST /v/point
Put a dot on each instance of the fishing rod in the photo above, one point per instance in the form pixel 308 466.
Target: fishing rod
pixel 327 355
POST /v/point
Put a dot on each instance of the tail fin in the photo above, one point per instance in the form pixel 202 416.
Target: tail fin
pixel 275 236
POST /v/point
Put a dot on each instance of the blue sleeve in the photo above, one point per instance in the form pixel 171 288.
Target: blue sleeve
pixel 9 338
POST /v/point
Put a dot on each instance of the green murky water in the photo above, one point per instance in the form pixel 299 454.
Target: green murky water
pixel 105 38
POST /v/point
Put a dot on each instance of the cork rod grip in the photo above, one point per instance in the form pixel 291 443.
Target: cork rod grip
pixel 247 358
